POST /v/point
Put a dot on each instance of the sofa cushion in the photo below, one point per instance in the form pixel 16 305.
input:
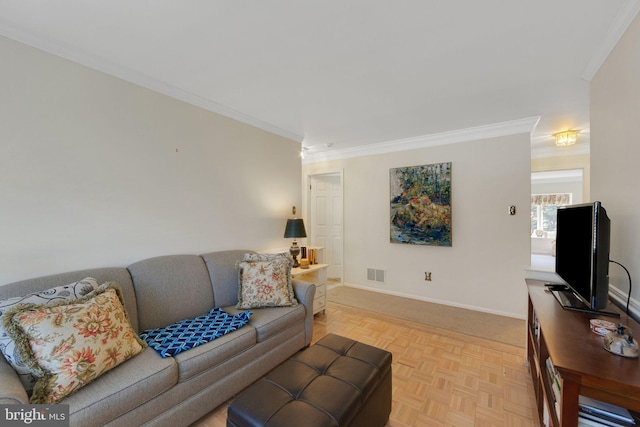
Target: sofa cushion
pixel 123 389
pixel 266 283
pixel 269 322
pixel 50 296
pixel 208 356
pixel 190 333
pixel 71 343
pixel 171 288
pixel 224 275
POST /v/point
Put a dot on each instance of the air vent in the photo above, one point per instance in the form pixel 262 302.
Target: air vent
pixel 375 275
pixel 371 274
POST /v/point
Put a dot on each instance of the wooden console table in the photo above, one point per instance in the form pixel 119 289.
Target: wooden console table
pixel 584 366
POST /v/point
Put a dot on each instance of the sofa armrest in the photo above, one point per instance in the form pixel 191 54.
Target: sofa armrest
pixel 305 292
pixel 12 391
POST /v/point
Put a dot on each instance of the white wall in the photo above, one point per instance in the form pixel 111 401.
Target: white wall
pixel 95 171
pixel 615 152
pixel 483 269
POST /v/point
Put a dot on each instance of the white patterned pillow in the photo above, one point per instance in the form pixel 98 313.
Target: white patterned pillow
pixel 266 283
pixel 69 344
pixel 61 293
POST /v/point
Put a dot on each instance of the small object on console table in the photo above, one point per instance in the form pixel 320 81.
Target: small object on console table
pixel 623 345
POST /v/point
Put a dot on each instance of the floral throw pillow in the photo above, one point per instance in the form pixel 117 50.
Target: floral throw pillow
pixel 50 296
pixel 266 283
pixel 70 344
pixel 266 257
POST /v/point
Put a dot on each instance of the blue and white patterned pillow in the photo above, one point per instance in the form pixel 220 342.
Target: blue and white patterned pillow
pixel 68 292
pixel 189 333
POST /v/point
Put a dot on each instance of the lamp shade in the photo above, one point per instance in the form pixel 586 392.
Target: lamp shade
pixel 295 228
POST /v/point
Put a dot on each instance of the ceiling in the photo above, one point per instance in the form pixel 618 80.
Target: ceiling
pixel 338 75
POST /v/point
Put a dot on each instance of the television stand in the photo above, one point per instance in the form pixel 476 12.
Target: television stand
pixel 569 301
pixel 561 339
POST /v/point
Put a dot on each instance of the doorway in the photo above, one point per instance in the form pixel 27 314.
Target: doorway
pixel 549 190
pixel 325 207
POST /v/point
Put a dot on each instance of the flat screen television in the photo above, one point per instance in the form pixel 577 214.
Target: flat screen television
pixel 582 256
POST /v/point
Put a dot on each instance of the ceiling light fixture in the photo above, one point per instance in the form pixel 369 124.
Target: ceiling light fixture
pixel 568 137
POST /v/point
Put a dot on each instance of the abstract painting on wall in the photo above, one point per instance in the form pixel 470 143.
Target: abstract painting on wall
pixel 421 204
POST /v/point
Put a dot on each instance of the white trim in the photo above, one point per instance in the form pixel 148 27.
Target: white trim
pixel 526 125
pixel 560 175
pixel 129 75
pixel 620 298
pixel 626 14
pixel 437 301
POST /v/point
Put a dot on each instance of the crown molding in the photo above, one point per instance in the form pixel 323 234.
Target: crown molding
pixel 552 176
pixel 131 76
pixel 526 125
pixel 626 14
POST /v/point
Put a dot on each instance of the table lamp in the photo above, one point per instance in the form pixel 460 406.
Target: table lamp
pixel 295 229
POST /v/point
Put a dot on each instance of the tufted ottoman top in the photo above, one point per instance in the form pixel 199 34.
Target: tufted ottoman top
pixel 327 384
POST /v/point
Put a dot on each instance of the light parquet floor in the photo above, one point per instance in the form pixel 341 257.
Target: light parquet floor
pixel 440 378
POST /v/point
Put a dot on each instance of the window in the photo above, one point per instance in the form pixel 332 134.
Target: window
pixel 544 208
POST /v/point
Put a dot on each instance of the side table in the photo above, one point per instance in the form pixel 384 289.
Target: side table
pixel 316 274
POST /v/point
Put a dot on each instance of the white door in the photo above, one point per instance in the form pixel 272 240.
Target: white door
pixel 326 220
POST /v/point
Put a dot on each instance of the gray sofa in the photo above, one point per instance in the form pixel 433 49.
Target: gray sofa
pixel 176 391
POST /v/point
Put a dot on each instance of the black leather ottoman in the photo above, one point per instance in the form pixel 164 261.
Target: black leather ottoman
pixel 335 382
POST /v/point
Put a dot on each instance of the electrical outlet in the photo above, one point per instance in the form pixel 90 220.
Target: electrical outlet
pixel 427 276
pixel 512 210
